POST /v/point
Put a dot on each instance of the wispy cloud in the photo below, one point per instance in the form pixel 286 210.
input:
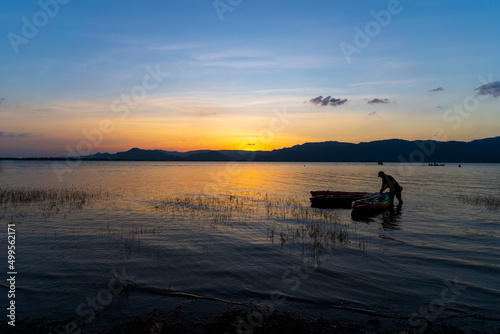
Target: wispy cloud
pixel 407 83
pixel 492 88
pixel 244 53
pixel 13 135
pixel 327 101
pixel 178 46
pixel 305 61
pixel 239 63
pixel 206 114
pixel 388 64
pixel 439 89
pixel 378 101
pixel 234 58
pixel 259 58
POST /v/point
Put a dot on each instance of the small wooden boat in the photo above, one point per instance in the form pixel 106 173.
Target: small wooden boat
pixel 335 199
pixel 372 203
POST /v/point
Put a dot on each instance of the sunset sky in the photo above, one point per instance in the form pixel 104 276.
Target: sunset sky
pixel 106 76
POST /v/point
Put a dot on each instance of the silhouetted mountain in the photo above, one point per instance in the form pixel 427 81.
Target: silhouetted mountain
pixel 391 150
pixel 239 155
pixel 384 150
pixel 185 154
pixel 207 156
pixel 160 155
pixel 396 150
pixel 135 154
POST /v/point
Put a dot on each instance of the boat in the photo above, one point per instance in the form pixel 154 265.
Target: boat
pixel 372 203
pixel 335 199
pixel 435 164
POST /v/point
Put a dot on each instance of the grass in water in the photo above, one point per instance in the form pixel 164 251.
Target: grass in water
pixel 30 195
pixel 214 209
pixel 288 221
pixel 50 201
pixel 489 201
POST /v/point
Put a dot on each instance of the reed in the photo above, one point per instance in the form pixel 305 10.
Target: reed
pixel 489 201
pixel 214 209
pixel 143 240
pixel 48 201
pixel 309 225
pixel 31 195
pixel 288 221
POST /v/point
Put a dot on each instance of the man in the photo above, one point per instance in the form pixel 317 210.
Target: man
pixel 394 188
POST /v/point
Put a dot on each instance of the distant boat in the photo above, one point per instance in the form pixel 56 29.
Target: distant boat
pixel 380 163
pixel 436 164
pixel 335 199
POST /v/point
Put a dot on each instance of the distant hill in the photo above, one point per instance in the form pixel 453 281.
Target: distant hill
pixel 394 150
pixel 207 156
pixel 185 154
pixel 135 154
pixel 391 150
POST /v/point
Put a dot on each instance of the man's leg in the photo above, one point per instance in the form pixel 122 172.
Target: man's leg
pixel 391 197
pixel 398 195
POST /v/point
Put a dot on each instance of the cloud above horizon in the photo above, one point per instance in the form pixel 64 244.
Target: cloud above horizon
pixel 13 135
pixel 378 101
pixel 439 89
pixel 327 101
pixel 492 88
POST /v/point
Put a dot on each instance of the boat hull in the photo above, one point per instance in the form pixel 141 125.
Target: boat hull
pixel 335 199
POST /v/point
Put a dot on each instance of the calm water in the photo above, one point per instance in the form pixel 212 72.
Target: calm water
pixel 434 258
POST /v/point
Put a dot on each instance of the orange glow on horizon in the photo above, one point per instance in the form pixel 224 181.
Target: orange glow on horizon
pixel 245 129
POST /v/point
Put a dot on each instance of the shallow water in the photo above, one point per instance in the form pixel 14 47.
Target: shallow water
pixel 433 259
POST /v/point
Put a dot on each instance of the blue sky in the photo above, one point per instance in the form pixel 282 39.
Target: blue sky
pixel 227 77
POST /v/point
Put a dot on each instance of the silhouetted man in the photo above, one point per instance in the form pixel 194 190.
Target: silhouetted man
pixel 394 187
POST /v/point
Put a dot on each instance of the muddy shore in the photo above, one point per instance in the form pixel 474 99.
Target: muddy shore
pixel 231 320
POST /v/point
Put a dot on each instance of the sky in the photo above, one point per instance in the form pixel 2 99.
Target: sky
pixel 81 77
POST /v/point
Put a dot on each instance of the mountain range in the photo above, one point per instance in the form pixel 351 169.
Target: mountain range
pixel 391 150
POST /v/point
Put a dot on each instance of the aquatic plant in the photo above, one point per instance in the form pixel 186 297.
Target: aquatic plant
pixel 303 224
pixel 48 201
pixel 142 240
pixel 213 209
pixel 489 201
pixel 288 220
pixel 30 195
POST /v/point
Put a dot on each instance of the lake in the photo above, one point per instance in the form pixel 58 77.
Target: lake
pixel 203 236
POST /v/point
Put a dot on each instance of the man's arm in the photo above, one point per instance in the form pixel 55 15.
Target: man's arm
pixel 384 185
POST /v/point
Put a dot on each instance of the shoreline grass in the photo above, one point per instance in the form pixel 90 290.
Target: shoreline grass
pixel 250 319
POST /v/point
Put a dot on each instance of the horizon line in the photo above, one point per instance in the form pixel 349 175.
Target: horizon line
pixel 217 150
